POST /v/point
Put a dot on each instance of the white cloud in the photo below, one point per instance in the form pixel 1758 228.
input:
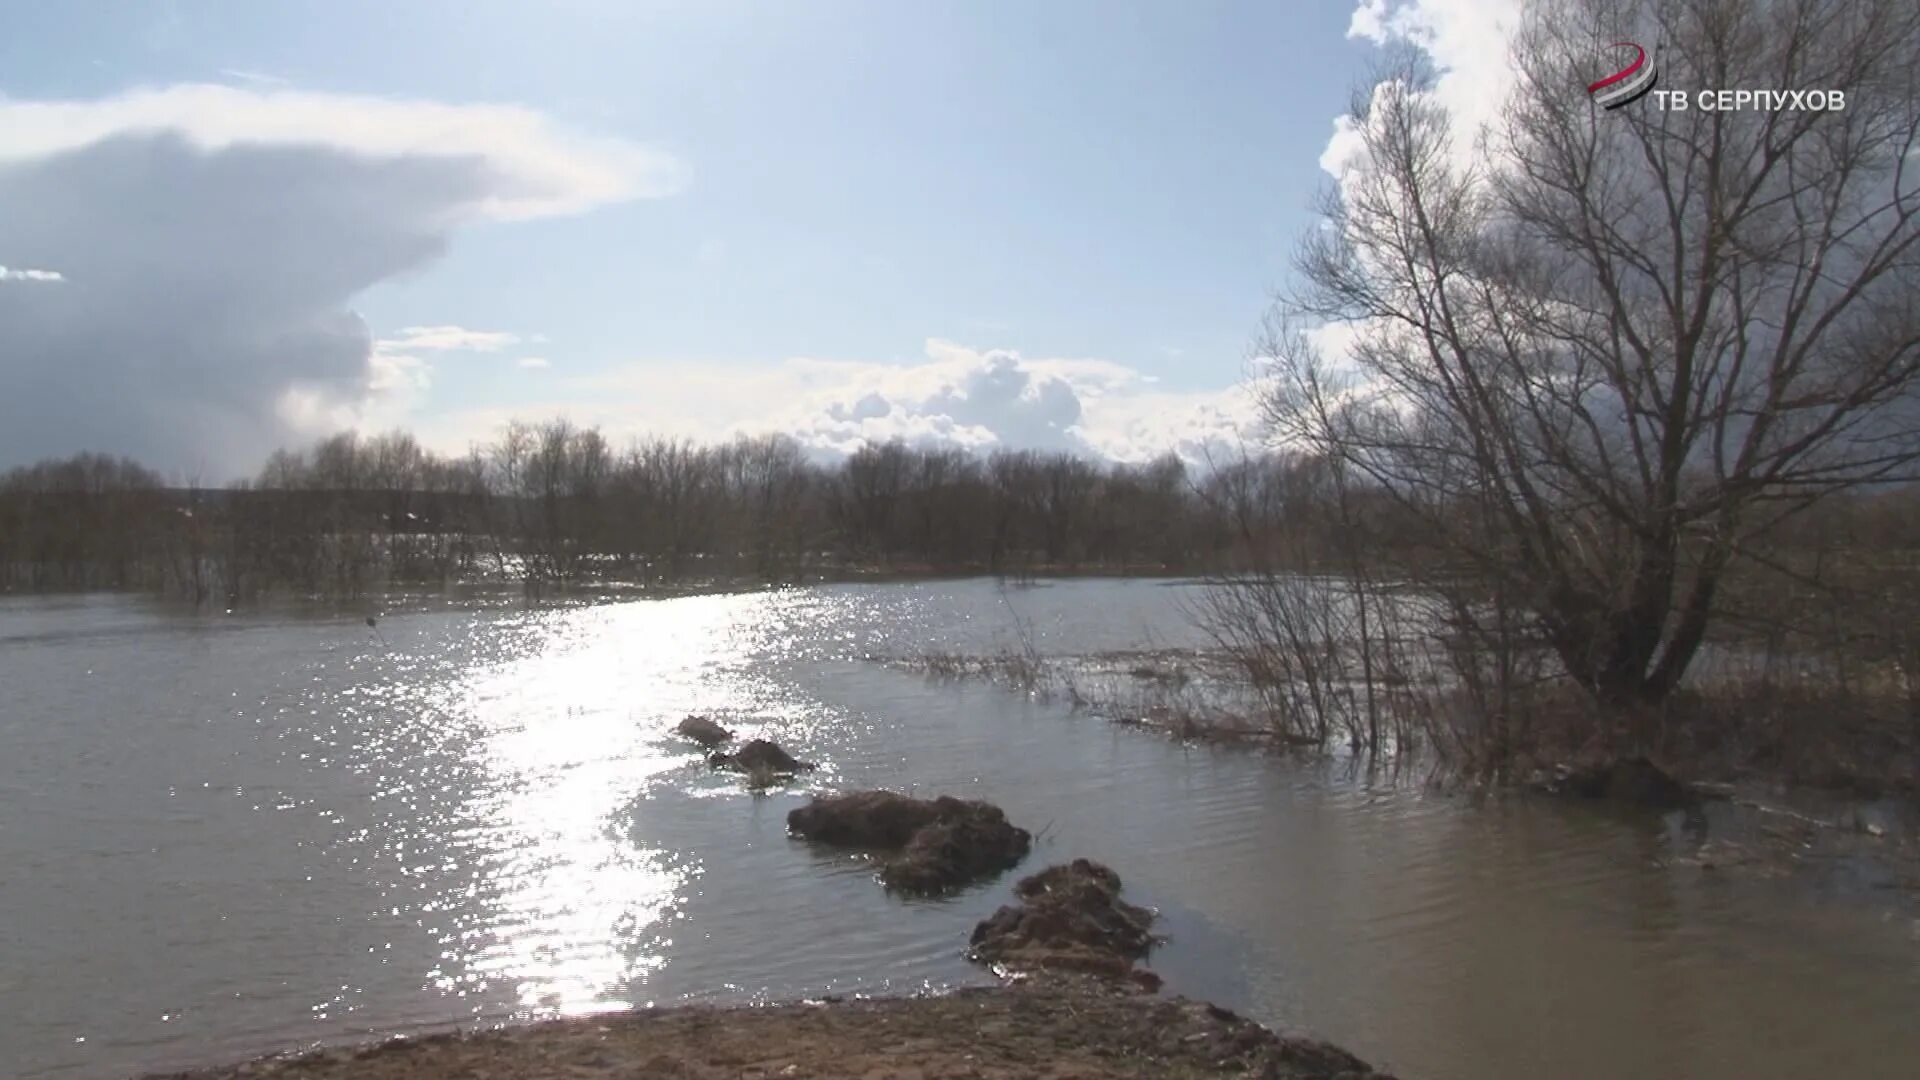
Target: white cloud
pixel 1369 22
pixel 534 362
pixel 978 399
pixel 453 339
pixel 391 371
pixel 12 274
pixel 395 382
pixel 1335 340
pixel 1467 42
pixel 397 377
pixel 1199 426
pixel 537 168
pixel 256 78
pixel 210 243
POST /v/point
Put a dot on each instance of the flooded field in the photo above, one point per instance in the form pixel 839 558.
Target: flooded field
pixel 228 834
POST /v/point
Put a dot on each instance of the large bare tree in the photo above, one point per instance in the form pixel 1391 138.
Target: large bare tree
pixel 1598 352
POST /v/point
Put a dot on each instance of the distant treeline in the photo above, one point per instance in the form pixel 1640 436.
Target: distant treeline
pixel 553 504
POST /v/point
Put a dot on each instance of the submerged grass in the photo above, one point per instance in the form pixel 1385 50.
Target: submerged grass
pixel 1738 722
pixel 1188 695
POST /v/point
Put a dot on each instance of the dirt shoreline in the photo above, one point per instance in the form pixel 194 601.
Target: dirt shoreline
pixel 1056 1029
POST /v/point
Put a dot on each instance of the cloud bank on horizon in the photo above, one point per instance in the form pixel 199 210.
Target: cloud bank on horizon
pixel 976 399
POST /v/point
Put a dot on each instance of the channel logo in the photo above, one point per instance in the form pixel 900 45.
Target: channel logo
pixel 1629 84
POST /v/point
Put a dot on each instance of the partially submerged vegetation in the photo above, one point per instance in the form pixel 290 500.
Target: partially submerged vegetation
pixel 1797 705
pixel 1602 397
pixel 1183 693
pixel 923 846
pixel 1795 727
pixel 1632 780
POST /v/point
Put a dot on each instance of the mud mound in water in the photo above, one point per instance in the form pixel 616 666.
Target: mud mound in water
pixel 703 731
pixel 928 845
pixel 957 848
pixel 1070 918
pixel 761 756
pixel 874 820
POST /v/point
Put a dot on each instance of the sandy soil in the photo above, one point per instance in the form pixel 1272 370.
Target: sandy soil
pixel 1063 1029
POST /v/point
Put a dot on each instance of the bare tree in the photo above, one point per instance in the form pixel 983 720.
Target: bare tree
pixel 1596 353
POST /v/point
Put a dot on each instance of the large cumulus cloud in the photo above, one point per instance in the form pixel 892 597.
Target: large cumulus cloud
pixel 991 399
pixel 1464 46
pixel 1466 43
pixel 196 249
pixel 979 400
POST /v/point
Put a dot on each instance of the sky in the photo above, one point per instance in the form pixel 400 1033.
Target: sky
pixel 226 228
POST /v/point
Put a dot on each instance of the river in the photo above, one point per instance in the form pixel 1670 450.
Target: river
pixel 225 834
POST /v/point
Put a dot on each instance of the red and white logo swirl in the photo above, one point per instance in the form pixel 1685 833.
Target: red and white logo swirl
pixel 1627 85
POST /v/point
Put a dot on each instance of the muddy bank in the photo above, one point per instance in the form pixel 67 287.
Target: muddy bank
pixel 1062 1029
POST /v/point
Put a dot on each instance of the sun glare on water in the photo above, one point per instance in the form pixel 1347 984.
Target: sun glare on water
pixel 567 902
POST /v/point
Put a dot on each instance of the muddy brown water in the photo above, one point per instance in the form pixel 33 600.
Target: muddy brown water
pixel 222 835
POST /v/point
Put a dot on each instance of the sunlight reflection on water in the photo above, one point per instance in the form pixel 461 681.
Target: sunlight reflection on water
pixel 566 736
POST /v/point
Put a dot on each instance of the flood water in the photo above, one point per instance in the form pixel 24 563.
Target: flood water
pixel 222 835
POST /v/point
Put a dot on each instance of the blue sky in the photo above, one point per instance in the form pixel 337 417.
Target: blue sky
pixel 1094 182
